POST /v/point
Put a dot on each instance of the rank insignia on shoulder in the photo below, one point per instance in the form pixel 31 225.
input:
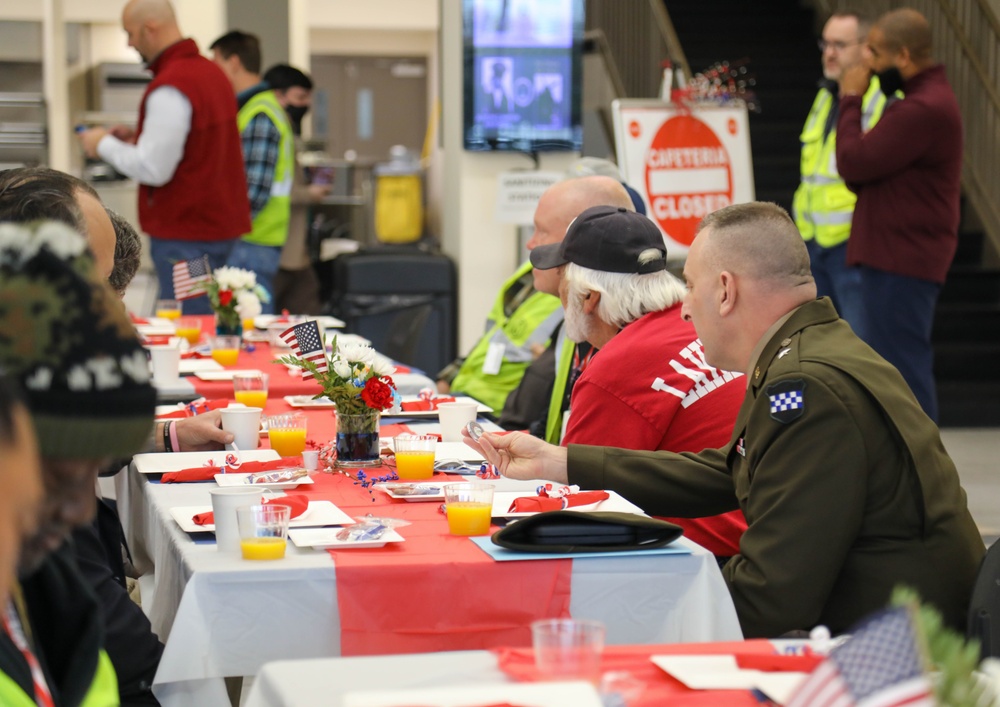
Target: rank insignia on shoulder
pixel 787 400
pixel 741 447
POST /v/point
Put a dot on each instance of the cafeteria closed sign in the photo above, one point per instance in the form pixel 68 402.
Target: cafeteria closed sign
pixel 518 193
pixel 686 162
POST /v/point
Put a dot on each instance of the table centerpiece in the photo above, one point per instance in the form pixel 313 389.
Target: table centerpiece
pixel 235 296
pixel 358 381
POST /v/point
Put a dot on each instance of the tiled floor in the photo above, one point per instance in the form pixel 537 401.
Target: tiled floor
pixel 975 455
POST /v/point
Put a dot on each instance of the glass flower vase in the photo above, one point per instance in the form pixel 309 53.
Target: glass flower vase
pixel 228 324
pixel 357 440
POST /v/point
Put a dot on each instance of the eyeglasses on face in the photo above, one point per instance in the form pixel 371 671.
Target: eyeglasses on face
pixel 835 46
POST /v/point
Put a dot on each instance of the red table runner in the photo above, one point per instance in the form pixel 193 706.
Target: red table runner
pixel 659 688
pixel 435 591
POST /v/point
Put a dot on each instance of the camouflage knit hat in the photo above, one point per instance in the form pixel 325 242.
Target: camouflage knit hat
pixel 66 337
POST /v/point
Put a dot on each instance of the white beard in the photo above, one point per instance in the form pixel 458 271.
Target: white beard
pixel 578 325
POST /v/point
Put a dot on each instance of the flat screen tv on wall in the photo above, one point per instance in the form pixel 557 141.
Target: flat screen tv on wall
pixel 522 74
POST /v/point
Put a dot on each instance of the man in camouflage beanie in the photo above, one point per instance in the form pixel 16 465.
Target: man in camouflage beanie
pixel 65 336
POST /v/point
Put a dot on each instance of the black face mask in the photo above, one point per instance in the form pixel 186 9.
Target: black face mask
pixel 295 116
pixel 890 81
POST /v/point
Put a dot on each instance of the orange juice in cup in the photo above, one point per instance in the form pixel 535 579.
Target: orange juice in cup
pixel 225 350
pixel 415 456
pixel 250 389
pixel 469 507
pixel 189 328
pixel 263 548
pixel 263 531
pixel 287 433
pixel 168 309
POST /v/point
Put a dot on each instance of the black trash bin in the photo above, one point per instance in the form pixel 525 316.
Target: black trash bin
pixel 402 299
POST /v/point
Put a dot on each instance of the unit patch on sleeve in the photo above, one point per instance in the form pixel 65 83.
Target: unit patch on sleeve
pixel 787 400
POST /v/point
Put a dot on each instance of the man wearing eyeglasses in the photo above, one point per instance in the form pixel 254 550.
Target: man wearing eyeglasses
pixel 823 205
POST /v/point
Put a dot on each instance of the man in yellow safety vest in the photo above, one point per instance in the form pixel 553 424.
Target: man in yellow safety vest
pixel 823 205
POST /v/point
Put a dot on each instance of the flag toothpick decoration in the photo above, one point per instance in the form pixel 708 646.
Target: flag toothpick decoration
pixel 305 341
pixel 882 664
pixel 191 277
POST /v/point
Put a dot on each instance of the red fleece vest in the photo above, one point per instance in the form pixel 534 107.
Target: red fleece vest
pixel 206 200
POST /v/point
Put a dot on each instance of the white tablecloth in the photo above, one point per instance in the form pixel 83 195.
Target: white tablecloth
pixel 222 616
pixel 307 683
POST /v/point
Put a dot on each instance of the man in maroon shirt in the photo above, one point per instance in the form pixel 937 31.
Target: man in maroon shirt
pixel 906 172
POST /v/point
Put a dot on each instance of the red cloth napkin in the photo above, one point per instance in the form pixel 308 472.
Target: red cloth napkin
pixel 419 405
pixel 207 473
pixel 296 501
pixel 200 407
pixel 400 368
pixel 195 353
pixel 536 504
pixel 779 663
pixel 156 340
pixel 138 320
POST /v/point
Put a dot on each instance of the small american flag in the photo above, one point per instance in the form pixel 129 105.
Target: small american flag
pixel 190 277
pixel 305 341
pixel 880 665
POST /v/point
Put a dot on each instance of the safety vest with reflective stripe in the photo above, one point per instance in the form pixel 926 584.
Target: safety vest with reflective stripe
pixel 564 364
pixel 103 690
pixel 532 322
pixel 823 205
pixel 270 227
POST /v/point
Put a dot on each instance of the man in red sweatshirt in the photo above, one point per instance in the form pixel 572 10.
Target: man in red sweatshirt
pixel 906 172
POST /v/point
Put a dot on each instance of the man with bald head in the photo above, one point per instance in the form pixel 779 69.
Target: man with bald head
pixel 845 485
pixel 185 154
pixel 906 171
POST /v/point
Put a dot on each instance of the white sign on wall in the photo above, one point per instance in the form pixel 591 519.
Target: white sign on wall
pixel 518 192
pixel 685 161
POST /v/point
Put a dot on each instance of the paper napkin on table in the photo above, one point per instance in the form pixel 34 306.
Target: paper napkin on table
pixel 537 504
pixel 207 473
pixel 297 502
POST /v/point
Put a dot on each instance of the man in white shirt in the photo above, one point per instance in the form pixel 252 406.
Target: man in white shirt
pixel 185 153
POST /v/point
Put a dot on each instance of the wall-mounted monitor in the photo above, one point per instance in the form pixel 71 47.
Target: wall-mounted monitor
pixel 523 74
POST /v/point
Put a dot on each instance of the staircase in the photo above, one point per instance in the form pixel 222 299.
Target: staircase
pixel 966 338
pixel 779 41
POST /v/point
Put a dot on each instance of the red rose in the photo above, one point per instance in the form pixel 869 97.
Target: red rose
pixel 225 297
pixel 376 394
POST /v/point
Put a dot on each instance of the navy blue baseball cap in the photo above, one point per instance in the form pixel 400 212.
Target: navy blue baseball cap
pixel 606 238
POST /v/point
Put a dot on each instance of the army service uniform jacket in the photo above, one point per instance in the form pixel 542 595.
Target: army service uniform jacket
pixel 844 481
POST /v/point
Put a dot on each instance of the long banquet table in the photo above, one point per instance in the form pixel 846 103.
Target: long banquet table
pixel 222 616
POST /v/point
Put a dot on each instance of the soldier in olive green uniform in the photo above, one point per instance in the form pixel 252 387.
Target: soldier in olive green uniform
pixel 844 482
pixel 846 487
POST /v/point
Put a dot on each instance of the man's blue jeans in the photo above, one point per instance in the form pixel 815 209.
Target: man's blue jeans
pixel 898 316
pixel 838 281
pixel 167 252
pixel 261 259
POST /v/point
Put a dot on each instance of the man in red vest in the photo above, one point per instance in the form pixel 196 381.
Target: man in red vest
pixel 185 153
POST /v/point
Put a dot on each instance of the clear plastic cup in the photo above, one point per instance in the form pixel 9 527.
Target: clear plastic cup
pixel 226 349
pixel 469 507
pixel 250 389
pixel 263 531
pixel 415 456
pixel 189 328
pixel 568 649
pixel 287 433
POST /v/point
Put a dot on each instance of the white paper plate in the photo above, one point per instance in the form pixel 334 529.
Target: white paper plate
pixel 237 479
pixel 265 320
pixel 322 538
pixel 537 694
pixel 343 339
pixel 615 503
pixel 157 326
pixel 432 413
pixel 160 462
pixel 392 490
pixel 223 375
pixel 319 513
pixel 307 401
pixel 193 365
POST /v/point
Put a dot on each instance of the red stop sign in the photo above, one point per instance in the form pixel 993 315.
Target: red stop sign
pixel 688 175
